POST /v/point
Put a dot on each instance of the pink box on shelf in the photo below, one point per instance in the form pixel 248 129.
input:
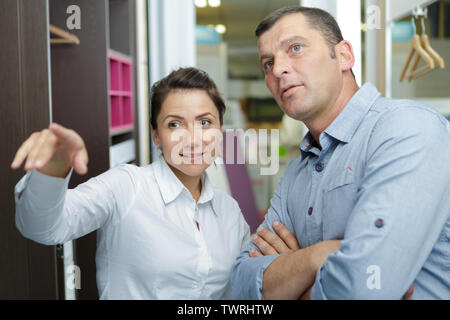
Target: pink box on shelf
pixel 121 91
pixel 116 111
pixel 127 111
pixel 126 77
pixel 115 75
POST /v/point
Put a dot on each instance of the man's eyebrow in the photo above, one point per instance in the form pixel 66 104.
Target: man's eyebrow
pixel 288 41
pixel 264 57
pixel 283 44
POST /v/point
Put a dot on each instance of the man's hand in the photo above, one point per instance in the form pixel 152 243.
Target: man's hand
pixel 269 243
pixel 53 152
pixel 409 293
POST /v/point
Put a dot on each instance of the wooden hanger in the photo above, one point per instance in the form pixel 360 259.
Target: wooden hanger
pixel 416 47
pixel 65 37
pixel 427 47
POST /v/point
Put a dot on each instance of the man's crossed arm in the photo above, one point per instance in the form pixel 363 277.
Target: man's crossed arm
pixel 292 275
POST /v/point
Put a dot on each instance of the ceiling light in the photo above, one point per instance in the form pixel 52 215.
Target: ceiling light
pixel 221 29
pixel 214 3
pixel 200 3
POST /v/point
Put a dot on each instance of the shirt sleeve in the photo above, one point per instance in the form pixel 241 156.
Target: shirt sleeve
pixel 402 208
pixel 247 273
pixel 49 213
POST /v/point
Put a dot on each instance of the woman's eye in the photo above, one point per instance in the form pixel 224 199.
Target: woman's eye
pixel 205 122
pixel 174 125
pixel 296 48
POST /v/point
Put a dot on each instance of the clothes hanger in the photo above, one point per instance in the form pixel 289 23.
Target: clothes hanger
pixel 416 47
pixel 65 37
pixel 427 47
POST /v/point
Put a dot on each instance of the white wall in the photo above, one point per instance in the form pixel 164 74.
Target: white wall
pixel 142 84
pixel 172 39
pixel 172 36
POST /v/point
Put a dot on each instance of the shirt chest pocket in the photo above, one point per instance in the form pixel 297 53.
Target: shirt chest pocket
pixel 339 198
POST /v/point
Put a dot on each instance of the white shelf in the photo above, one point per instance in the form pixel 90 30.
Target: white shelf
pixel 123 152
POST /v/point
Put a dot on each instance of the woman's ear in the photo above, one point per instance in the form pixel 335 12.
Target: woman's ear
pixel 155 136
pixel 345 54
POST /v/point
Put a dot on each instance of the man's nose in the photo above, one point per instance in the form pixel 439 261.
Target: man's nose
pixel 281 67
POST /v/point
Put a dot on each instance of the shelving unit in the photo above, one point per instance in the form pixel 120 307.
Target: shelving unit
pixel 70 85
pixel 122 97
pixel 93 93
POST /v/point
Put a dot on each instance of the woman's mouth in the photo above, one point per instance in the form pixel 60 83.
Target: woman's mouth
pixel 191 156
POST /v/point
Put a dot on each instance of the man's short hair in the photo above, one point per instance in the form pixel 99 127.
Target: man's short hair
pixel 317 19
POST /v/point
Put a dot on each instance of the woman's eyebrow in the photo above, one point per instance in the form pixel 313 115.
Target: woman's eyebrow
pixel 173 116
pixel 205 114
pixel 181 118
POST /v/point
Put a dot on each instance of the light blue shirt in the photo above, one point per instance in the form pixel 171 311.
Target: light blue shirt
pixel 381 183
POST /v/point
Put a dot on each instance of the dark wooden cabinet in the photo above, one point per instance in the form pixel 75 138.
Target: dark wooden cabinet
pixel 27 270
pixel 63 83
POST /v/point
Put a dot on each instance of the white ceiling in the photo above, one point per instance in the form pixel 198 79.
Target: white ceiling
pixel 241 18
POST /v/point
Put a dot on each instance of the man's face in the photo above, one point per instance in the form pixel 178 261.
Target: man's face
pixel 300 73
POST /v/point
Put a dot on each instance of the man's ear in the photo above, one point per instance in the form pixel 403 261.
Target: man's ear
pixel 344 52
pixel 155 136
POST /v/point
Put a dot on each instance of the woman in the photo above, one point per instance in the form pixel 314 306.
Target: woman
pixel 163 231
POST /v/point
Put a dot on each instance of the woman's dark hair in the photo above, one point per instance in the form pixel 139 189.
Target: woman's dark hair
pixel 317 19
pixel 183 79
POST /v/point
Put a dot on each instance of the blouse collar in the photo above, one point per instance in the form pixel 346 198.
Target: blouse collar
pixel 171 187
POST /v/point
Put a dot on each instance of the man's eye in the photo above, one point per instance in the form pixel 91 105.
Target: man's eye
pixel 296 48
pixel 268 65
pixel 205 122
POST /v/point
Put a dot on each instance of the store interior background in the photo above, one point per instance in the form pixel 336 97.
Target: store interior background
pixel 156 37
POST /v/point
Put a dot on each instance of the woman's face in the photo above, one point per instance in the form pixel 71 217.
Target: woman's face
pixel 188 131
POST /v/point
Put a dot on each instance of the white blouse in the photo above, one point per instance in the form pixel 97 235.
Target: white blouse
pixel 148 243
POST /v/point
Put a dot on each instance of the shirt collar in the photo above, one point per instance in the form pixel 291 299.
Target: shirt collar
pixel 308 146
pixel 171 187
pixel 344 127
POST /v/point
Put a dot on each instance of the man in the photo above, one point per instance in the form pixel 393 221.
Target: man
pixel 373 173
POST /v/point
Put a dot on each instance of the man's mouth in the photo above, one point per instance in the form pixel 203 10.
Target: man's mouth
pixel 289 90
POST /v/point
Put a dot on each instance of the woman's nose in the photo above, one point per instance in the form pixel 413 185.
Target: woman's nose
pixel 193 136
